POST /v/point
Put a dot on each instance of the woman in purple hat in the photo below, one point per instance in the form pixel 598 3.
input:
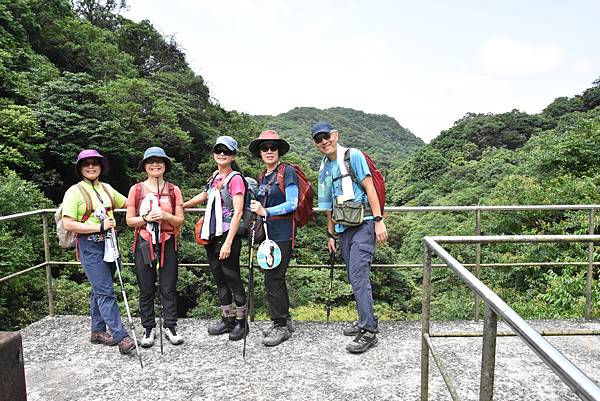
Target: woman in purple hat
pixel 88 211
pixel 224 196
pixel 277 208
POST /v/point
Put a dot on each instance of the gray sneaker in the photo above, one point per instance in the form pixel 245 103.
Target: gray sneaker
pixel 148 337
pixel 276 336
pixel 172 335
pixel 352 330
pixel 362 342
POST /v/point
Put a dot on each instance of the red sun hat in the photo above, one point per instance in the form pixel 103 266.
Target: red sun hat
pixel 268 136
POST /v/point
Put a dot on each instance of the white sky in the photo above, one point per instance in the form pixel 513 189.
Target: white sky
pixel 425 63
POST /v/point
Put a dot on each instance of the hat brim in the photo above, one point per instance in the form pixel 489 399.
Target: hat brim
pixel 254 146
pixel 168 164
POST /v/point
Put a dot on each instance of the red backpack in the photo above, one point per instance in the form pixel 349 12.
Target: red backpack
pixel 306 194
pixel 378 179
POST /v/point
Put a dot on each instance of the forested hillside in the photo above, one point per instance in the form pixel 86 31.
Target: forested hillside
pixel 79 75
pixel 381 136
pixel 75 76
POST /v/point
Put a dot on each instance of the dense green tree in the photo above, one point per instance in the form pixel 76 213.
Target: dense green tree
pixel 151 51
pixel 21 141
pixel 75 45
pixel 21 69
pixel 100 13
pixel 563 105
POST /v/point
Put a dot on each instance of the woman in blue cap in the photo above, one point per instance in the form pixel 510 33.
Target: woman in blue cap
pixel 87 211
pixel 224 195
pixel 154 209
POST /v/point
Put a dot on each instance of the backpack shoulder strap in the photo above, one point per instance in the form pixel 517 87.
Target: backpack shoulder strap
pixel 138 197
pixel 172 196
pixel 108 191
pixel 350 169
pixel 225 181
pixel 281 177
pixel 87 199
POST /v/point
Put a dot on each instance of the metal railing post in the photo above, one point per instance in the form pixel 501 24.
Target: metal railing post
pixel 48 270
pixel 425 323
pixel 488 355
pixel 477 262
pixel 590 269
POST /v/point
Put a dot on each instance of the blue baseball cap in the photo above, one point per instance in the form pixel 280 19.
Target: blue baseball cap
pixel 227 141
pixel 321 126
pixel 155 151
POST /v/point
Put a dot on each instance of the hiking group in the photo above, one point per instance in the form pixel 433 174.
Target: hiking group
pixel 350 188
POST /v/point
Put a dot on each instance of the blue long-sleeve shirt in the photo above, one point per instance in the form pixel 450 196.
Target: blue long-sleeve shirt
pixel 276 204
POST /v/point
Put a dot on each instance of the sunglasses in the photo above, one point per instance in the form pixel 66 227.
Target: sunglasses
pixel 222 149
pixel 155 160
pixel 269 147
pixel 322 136
pixel 90 162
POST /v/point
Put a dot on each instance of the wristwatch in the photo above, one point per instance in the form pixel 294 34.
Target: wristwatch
pixel 377 218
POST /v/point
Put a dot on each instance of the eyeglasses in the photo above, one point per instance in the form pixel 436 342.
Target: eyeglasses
pixel 156 160
pixel 269 147
pixel 89 162
pixel 222 149
pixel 322 136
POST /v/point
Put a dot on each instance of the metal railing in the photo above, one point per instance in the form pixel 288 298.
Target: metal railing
pixel 477 210
pixel 495 307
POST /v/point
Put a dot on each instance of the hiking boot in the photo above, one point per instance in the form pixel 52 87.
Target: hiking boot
pixel 352 330
pixel 126 345
pixel 148 338
pixel 276 336
pixel 237 333
pixel 102 337
pixel 290 325
pixel 224 326
pixel 362 342
pixel 171 335
pixel 268 330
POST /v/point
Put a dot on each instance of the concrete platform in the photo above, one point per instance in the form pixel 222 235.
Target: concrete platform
pixel 61 364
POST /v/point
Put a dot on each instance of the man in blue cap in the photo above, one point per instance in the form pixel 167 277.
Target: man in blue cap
pixel 354 214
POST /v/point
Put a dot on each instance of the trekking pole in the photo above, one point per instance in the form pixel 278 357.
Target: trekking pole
pixel 158 255
pixel 115 247
pixel 160 308
pixel 331 266
pixel 250 282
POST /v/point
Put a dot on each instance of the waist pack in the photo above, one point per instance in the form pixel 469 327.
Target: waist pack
pixel 349 213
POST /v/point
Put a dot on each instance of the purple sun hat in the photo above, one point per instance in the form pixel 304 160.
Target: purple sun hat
pixel 91 153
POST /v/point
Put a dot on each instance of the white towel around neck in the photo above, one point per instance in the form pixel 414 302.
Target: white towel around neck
pixel 214 198
pixel 347 188
pixel 148 204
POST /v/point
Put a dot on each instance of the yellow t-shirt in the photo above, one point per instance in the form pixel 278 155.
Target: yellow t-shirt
pixel 74 202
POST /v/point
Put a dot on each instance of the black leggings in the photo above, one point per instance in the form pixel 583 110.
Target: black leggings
pixel 276 288
pixel 146 277
pixel 227 272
